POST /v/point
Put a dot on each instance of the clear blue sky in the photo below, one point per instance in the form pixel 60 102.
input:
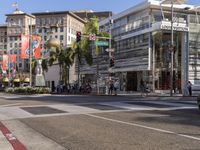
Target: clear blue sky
pixel 30 6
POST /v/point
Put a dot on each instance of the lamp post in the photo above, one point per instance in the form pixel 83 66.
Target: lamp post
pixel 197 8
pixel 172 2
pixel 30 52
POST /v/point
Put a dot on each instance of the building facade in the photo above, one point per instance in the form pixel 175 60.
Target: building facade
pixel 63 26
pixel 17 23
pixel 60 25
pixel 142 47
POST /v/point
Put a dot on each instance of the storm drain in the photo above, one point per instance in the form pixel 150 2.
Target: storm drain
pixel 42 110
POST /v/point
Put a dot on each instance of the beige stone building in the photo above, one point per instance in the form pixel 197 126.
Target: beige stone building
pixel 16 24
pixel 63 26
pixel 60 25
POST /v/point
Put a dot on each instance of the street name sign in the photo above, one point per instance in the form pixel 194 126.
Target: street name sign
pixel 101 43
pixel 109 49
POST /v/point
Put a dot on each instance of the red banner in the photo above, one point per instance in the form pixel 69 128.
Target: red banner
pixel 13 58
pixel 36 41
pixel 5 62
pixel 36 46
pixel 25 46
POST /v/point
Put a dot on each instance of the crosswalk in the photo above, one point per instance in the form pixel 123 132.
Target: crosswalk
pixel 8 112
pixel 19 110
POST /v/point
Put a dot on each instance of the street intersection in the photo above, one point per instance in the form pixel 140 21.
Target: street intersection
pixel 100 122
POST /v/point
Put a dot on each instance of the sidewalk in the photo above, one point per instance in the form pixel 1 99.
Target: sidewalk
pixel 156 94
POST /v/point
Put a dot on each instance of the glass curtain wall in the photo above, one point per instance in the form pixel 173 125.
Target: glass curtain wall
pixel 163 61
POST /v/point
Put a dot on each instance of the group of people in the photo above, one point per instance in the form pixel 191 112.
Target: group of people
pixel 144 88
pixel 113 85
pixel 73 89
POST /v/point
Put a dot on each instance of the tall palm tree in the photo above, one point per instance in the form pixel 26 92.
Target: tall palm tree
pixel 64 58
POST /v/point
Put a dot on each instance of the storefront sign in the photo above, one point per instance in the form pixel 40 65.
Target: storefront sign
pixel 175 28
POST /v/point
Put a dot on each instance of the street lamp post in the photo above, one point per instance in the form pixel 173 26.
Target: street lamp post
pixel 172 50
pixel 30 52
pixel 197 8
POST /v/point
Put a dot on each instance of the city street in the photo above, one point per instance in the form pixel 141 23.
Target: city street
pixel 64 122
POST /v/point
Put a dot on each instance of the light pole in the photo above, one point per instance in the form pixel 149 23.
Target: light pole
pixel 172 2
pixel 30 52
pixel 110 52
pixel 197 8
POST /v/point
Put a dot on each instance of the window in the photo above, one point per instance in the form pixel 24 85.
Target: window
pixel 61 37
pixel 61 29
pixel 40 30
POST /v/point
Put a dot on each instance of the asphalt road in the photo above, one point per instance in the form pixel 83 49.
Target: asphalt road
pixel 102 122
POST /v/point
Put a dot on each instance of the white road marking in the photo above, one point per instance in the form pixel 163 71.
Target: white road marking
pixel 9 105
pixel 145 127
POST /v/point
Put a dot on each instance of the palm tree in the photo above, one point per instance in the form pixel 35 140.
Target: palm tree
pixel 64 58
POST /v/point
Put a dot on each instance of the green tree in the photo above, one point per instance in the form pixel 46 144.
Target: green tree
pixel 85 47
pixel 64 58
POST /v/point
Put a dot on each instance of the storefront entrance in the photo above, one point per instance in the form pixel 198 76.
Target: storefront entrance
pixel 131 81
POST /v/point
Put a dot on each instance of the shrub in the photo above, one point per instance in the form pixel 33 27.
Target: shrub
pixel 28 90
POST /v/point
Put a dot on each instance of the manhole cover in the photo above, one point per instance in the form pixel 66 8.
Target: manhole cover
pixel 42 110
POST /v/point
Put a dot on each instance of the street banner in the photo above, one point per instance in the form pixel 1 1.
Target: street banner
pixel 36 46
pixel 13 58
pixel 5 62
pixel 25 46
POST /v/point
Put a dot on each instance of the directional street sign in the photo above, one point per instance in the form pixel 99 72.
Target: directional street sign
pixel 109 49
pixel 101 43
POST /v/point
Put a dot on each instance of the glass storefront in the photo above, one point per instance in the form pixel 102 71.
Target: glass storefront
pixel 163 61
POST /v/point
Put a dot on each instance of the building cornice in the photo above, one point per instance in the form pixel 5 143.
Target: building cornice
pixel 60 13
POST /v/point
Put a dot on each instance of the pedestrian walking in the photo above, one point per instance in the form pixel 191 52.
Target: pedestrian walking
pixel 142 87
pixel 189 87
pixel 116 86
pixel 111 87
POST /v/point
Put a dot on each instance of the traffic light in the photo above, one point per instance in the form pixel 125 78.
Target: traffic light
pixel 78 36
pixel 112 62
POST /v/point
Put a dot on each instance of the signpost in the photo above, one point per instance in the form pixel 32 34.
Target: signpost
pixel 110 50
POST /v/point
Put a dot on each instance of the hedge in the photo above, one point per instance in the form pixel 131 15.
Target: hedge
pixel 28 90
